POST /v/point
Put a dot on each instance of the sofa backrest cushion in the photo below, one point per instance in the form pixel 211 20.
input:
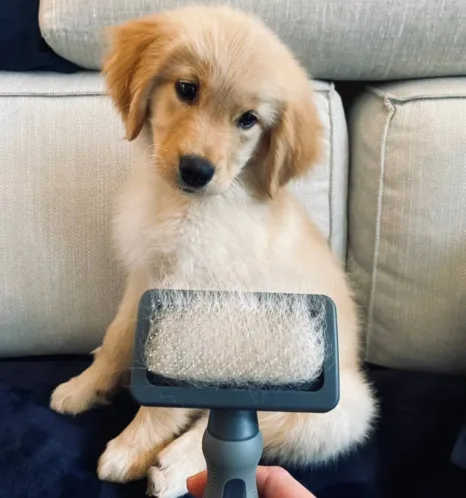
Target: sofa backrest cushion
pixel 336 40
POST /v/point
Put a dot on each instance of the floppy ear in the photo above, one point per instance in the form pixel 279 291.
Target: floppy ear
pixel 294 143
pixel 138 52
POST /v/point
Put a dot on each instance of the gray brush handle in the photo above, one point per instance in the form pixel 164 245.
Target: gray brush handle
pixel 232 464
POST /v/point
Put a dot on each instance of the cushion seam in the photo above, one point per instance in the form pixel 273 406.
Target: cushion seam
pixel 405 100
pixel 331 162
pixel 376 249
pixel 45 94
pixel 86 94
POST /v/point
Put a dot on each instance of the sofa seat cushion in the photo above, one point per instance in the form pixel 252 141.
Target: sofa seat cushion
pixel 336 40
pixel 63 161
pixel 407 216
pixel 22 47
pixel 44 454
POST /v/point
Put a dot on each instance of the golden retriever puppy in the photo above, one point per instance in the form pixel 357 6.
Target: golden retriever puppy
pixel 222 118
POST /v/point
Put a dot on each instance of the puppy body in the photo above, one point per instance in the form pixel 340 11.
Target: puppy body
pixel 243 230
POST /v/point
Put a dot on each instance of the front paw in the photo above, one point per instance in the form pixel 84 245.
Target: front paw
pixel 75 396
pixel 166 482
pixel 181 459
pixel 122 461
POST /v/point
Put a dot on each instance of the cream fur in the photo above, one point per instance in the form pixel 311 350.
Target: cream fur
pixel 245 231
pixel 236 338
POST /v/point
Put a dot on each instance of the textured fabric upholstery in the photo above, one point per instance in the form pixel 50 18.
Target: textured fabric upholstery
pixel 335 39
pixel 62 160
pixel 407 222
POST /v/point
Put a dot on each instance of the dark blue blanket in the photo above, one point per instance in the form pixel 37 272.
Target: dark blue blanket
pixel 45 455
pixel 22 47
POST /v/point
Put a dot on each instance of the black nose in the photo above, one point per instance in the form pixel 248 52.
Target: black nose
pixel 196 171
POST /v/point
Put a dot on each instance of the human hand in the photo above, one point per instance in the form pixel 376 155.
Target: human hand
pixel 272 482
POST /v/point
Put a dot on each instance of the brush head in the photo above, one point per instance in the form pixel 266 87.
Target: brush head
pixel 212 349
pixel 236 339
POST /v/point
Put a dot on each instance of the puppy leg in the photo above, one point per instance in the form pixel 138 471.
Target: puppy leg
pixel 129 456
pixel 95 384
pixel 179 460
pixel 300 438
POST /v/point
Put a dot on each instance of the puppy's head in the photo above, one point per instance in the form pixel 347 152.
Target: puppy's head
pixel 222 95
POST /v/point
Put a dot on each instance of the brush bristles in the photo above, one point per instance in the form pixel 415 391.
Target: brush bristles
pixel 236 339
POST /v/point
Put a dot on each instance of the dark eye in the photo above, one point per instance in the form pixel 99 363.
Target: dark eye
pixel 186 91
pixel 247 120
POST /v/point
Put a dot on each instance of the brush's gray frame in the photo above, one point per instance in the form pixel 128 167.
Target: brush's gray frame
pixel 321 398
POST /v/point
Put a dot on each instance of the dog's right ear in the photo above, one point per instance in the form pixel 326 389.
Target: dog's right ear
pixel 137 53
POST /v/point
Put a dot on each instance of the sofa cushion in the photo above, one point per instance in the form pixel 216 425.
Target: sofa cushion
pixel 63 159
pixel 22 47
pixel 407 222
pixel 336 40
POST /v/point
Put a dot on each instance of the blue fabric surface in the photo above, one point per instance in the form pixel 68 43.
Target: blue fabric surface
pixel 43 454
pixel 22 47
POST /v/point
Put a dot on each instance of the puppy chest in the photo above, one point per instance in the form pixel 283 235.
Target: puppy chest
pixel 207 250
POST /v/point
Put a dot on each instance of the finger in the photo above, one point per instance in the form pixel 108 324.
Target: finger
pixel 196 484
pixel 272 482
pixel 278 483
pixel 263 474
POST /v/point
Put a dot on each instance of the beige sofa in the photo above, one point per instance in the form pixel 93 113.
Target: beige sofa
pixel 392 204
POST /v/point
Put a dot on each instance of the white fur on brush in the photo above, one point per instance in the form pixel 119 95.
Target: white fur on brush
pixel 236 338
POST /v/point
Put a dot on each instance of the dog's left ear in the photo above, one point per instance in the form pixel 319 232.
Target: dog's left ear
pixel 294 143
pixel 138 52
